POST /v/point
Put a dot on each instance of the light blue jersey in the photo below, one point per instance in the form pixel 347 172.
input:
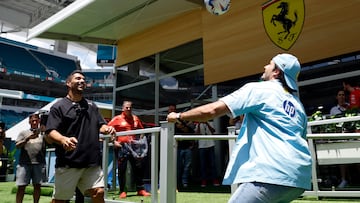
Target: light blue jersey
pixel 271 146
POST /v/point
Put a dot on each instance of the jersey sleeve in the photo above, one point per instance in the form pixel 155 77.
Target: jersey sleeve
pixel 246 99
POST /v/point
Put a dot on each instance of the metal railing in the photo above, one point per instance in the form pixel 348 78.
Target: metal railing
pixel 164 136
pixel 164 133
pixel 315 159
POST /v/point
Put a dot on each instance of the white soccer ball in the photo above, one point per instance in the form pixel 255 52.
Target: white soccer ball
pixel 217 7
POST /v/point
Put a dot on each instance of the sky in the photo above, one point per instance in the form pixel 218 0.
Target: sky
pixel 87 57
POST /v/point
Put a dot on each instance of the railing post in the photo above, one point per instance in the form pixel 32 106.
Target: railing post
pixel 105 161
pixel 167 163
pixel 48 152
pixel 154 166
pixel 114 169
pixel 315 186
pixel 231 131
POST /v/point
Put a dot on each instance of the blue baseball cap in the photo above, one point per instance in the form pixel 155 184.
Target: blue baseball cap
pixel 290 65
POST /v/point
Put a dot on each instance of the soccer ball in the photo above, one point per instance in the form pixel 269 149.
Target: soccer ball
pixel 217 7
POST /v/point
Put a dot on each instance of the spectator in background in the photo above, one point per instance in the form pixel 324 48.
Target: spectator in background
pixel 339 110
pixel 341 106
pixel 207 154
pixel 132 148
pixel 74 124
pixel 353 89
pixel 184 149
pixel 32 164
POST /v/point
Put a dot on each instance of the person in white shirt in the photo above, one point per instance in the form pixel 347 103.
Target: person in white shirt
pixel 339 110
pixel 341 106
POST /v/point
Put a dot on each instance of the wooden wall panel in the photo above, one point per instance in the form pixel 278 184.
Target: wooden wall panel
pixel 236 44
pixel 331 28
pixel 170 34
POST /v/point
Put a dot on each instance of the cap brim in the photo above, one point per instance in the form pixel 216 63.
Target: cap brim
pixel 291 83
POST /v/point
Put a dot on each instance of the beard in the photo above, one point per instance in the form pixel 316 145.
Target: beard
pixel 78 89
pixel 266 76
pixel 263 77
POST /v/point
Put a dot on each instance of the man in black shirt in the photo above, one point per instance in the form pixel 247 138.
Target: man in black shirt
pixel 74 124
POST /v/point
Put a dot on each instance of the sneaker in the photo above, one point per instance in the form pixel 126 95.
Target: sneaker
pixel 122 195
pixel 143 193
pixel 216 183
pixel 342 184
pixel 203 183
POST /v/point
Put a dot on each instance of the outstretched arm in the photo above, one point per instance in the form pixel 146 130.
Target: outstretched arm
pixel 201 113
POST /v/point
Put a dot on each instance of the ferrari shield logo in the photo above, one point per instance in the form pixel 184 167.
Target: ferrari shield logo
pixel 283 21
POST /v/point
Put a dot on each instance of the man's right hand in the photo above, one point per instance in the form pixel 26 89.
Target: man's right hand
pixel 69 143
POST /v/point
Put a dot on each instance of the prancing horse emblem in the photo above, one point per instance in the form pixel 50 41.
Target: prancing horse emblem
pixel 283 21
pixel 282 18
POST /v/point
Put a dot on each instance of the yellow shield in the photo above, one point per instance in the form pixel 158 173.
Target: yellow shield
pixel 283 21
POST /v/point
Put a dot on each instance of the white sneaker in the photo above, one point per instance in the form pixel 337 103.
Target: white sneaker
pixel 342 184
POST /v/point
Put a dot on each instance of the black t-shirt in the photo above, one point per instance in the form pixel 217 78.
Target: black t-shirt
pixel 83 121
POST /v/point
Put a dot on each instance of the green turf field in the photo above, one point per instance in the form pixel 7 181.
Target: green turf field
pixel 199 195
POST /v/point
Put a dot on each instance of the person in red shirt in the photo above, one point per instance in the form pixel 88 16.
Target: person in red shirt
pixel 354 93
pixel 132 148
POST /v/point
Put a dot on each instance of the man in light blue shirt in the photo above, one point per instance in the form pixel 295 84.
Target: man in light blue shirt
pixel 271 160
